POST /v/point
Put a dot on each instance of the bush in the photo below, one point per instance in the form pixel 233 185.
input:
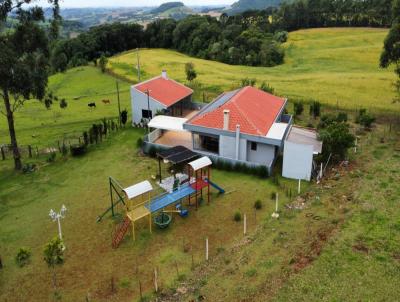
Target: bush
pixel 139 143
pixel 23 257
pixel 315 109
pixel 366 120
pixel 281 36
pixel 298 108
pixel 258 204
pixel 342 117
pixel 273 195
pixel 237 216
pixel 52 157
pixel 85 138
pixel 78 149
pixel 267 88
pixel 64 149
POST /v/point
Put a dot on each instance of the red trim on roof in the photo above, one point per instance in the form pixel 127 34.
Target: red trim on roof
pixel 165 91
pixel 253 109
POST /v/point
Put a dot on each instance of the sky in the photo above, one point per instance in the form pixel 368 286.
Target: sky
pixel 103 3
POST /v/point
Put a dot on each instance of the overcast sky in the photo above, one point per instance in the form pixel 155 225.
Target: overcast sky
pixel 102 3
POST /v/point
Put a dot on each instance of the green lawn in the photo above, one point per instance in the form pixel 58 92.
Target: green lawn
pixel 43 128
pixel 335 66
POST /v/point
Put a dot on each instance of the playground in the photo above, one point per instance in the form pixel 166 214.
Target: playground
pixel 89 255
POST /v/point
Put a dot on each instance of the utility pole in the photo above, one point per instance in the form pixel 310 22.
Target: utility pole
pixel 119 105
pixel 138 64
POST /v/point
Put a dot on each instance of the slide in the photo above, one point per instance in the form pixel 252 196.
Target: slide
pixel 214 185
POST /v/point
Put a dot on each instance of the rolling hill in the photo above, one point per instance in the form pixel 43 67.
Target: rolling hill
pixel 337 66
pixel 175 10
pixel 244 5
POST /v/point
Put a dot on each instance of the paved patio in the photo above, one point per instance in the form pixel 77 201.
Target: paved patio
pixel 175 138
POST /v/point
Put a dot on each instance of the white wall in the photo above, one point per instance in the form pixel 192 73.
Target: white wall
pixel 297 161
pixel 139 102
pixel 227 147
pixel 264 154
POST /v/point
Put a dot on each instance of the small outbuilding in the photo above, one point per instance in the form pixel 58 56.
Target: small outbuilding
pixel 300 147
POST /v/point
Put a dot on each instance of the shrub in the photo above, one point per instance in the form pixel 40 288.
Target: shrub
pixel 85 138
pixel 315 109
pixel 298 108
pixel 52 157
pixel 247 82
pixel 23 257
pixel 64 149
pixel 258 204
pixel 152 151
pixel 273 195
pixel 78 149
pixel 139 143
pixel 342 117
pixel 337 139
pixel 237 216
pixel 124 116
pixel 366 120
pixel 267 88
pixel 281 36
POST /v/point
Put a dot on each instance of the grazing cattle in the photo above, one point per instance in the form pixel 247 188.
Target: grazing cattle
pixel 92 105
pixel 106 101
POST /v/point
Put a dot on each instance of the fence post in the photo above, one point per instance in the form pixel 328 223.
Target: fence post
pixel 206 248
pixel 30 151
pixel 3 155
pixel 244 224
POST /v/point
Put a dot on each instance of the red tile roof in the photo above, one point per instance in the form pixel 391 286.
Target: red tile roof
pixel 253 109
pixel 165 91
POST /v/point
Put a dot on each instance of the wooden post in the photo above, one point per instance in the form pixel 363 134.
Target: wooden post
pixel 207 248
pixel 119 105
pixel 177 271
pixel 299 187
pixel 244 224
pixel 112 285
pixel 140 290
pixel 155 280
pixel 276 203
pixel 1 263
pixel 30 151
pixel 3 155
pixel 355 146
pixel 192 262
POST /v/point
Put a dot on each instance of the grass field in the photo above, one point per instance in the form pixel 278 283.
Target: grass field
pixel 40 127
pixel 335 66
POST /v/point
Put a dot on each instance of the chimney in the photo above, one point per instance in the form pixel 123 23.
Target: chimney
pixel 164 74
pixel 226 120
pixel 237 142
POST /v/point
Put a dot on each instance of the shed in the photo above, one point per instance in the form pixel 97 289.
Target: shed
pixel 300 146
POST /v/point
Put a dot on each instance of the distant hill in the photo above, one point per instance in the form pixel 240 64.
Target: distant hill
pixel 167 6
pixel 244 5
pixel 174 10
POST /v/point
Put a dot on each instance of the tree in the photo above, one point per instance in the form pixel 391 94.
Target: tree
pixel 337 139
pixel 24 61
pixel 54 256
pixel 191 73
pixel 391 53
pixel 298 108
pixel 103 63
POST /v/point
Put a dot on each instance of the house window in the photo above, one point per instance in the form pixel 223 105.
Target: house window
pixel 147 113
pixel 253 146
pixel 208 143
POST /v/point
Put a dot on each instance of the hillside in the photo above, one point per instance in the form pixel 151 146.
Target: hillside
pixel 176 12
pixel 166 6
pixel 319 64
pixel 244 5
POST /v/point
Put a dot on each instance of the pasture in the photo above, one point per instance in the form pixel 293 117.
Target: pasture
pixel 337 66
pixel 80 86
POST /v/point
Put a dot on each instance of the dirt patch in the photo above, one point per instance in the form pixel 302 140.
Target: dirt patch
pixel 360 247
pixel 303 259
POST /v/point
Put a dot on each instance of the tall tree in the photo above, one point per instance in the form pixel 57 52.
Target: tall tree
pixel 24 60
pixel 391 49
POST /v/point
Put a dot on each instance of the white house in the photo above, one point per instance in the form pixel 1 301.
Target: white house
pixel 159 95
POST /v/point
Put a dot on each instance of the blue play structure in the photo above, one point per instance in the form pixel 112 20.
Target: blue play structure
pixel 167 199
pixel 214 185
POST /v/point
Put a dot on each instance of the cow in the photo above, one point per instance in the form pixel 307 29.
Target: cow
pixel 92 105
pixel 106 101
